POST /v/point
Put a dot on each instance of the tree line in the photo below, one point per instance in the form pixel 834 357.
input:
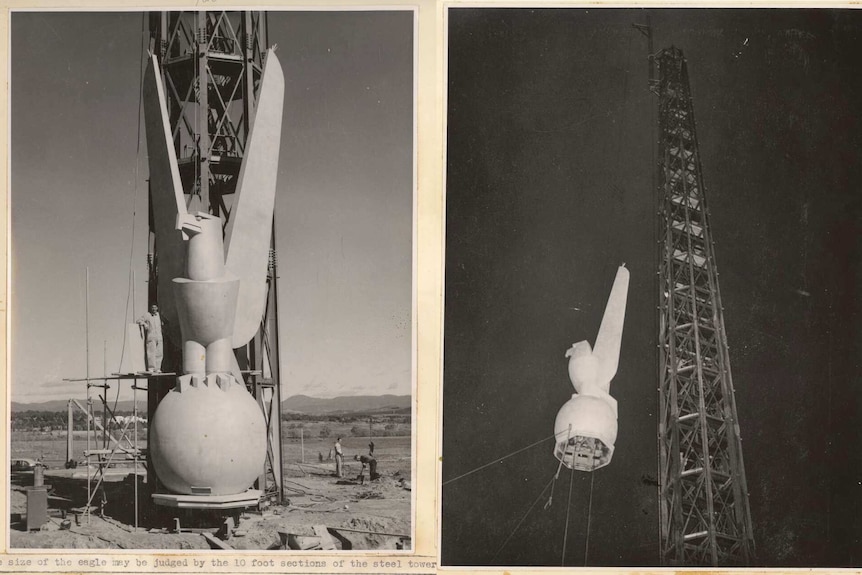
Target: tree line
pixel 347 418
pixel 297 430
pixel 57 420
pixel 33 420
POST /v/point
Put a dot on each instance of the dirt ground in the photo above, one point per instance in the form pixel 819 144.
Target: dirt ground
pixel 314 496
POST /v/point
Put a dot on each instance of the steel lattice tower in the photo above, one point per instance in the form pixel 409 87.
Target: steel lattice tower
pixel 212 64
pixel 704 515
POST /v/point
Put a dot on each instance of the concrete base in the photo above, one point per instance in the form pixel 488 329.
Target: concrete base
pixel 249 498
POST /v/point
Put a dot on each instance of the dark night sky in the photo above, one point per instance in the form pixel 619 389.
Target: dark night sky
pixel 549 189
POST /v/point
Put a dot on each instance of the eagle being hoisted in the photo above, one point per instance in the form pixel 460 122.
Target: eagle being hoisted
pixel 208 435
pixel 586 425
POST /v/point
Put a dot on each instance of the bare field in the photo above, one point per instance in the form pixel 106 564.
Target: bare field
pixel 51 446
pixel 376 515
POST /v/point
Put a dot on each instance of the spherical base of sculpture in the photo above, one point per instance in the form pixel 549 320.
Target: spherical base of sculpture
pixel 585 432
pixel 208 440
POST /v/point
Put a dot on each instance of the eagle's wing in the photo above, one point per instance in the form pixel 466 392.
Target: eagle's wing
pixel 249 230
pixel 166 195
pixel 607 348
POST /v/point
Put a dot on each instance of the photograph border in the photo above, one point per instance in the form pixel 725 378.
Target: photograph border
pixel 429 228
pixel 423 421
pixel 447 6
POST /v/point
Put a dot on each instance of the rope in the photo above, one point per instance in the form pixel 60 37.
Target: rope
pixel 481 467
pixel 589 520
pixel 568 509
pixel 512 534
pixel 553 484
pixel 557 474
pixel 134 194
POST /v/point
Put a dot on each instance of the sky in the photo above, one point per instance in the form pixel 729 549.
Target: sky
pixel 344 200
pixel 549 188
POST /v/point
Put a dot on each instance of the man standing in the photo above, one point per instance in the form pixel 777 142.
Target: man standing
pixel 339 459
pixel 152 324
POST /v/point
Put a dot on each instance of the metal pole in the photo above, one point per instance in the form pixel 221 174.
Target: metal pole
pixel 105 398
pixel 70 432
pixel 89 419
pixel 203 114
pixel 89 401
pixel 87 320
pixel 135 411
pixel 135 415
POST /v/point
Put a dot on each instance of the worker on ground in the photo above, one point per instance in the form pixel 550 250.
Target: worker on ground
pixel 371 448
pixel 152 324
pixel 339 459
pixel 371 462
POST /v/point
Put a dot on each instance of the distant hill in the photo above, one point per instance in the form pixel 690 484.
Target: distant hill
pixel 296 404
pixel 347 404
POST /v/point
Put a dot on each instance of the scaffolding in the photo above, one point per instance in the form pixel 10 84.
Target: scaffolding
pixel 113 449
pixel 704 513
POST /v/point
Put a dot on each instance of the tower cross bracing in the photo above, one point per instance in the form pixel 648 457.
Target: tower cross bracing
pixel 704 515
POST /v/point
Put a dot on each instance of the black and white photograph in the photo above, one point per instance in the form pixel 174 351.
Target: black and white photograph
pixel 651 333
pixel 212 293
